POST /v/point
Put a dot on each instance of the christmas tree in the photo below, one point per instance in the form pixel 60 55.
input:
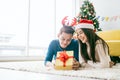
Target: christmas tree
pixel 87 11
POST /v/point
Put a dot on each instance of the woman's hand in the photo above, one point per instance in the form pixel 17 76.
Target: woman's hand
pixel 76 64
pixel 112 63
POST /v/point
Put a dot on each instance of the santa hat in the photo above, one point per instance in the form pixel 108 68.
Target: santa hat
pixel 69 21
pixel 84 23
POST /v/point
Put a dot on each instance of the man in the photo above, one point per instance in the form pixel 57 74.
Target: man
pixel 65 42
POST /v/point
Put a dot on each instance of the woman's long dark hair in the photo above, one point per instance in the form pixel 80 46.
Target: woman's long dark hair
pixel 92 37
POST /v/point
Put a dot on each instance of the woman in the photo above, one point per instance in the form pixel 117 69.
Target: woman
pixel 94 51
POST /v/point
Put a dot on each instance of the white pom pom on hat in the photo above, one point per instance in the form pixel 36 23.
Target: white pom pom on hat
pixel 84 23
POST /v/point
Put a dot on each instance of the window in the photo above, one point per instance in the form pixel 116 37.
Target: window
pixel 13 27
pixel 28 26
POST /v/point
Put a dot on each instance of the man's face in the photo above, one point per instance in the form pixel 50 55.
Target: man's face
pixel 65 39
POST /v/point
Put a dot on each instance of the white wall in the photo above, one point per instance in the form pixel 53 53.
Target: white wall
pixel 108 10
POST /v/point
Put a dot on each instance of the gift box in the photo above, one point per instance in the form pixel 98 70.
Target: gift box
pixel 64 60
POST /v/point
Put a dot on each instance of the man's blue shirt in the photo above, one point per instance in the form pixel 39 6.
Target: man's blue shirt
pixel 54 47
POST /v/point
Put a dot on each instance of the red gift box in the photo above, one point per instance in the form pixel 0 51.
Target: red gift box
pixel 64 60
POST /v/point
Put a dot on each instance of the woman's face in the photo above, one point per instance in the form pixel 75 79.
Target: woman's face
pixel 81 35
pixel 65 39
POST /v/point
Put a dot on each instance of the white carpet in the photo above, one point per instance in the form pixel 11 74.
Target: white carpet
pixel 38 67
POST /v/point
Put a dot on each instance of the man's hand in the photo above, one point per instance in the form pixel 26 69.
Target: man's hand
pixel 49 65
pixel 76 64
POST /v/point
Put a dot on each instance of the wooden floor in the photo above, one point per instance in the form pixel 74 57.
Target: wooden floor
pixel 6 74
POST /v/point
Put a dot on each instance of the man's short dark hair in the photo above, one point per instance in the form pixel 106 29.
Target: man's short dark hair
pixel 67 29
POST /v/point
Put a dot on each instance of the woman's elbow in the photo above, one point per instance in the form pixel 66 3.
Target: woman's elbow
pixel 105 65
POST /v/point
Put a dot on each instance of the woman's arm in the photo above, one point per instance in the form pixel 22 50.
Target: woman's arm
pixel 102 55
